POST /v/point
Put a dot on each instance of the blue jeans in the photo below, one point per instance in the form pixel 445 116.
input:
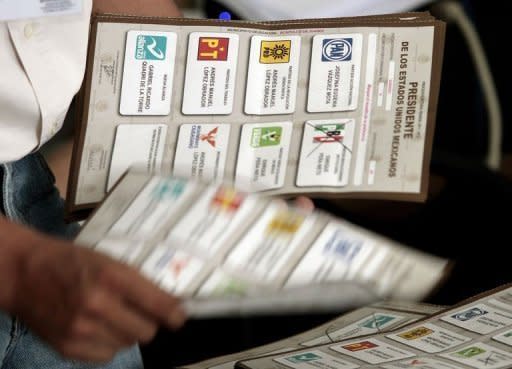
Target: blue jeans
pixel 29 197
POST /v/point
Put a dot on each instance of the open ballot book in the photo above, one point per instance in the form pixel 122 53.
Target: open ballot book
pixel 341 106
pixel 229 252
pixel 476 334
pixel 383 316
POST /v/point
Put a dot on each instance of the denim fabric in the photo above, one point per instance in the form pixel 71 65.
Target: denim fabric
pixel 30 197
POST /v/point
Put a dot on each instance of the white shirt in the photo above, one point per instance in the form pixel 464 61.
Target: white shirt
pixel 298 9
pixel 42 64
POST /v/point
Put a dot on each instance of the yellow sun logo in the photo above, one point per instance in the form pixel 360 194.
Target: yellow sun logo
pixel 275 51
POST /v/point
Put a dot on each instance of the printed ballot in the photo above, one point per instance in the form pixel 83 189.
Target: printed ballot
pixel 227 251
pixel 214 57
pixel 340 107
pixel 148 72
pixel 371 319
pixel 447 339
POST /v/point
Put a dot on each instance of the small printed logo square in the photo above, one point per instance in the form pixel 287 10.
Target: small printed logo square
pixel 305 357
pixel 210 137
pixel 213 48
pixel 328 133
pixel 343 247
pixel 359 346
pixel 469 314
pixel 273 52
pixel 377 321
pixel 150 47
pixel 336 49
pixel 284 222
pixel 266 136
pixel 227 200
pixel 416 333
pixel 168 190
pixel 469 352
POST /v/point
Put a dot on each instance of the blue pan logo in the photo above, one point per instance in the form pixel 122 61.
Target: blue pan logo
pixel 336 49
pixel 150 47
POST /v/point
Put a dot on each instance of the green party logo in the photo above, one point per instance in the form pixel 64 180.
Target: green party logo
pixel 230 287
pixel 266 136
pixel 470 352
pixel 150 47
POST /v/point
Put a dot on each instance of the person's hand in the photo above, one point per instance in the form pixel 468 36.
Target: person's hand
pixel 304 203
pixel 84 304
pixel 156 8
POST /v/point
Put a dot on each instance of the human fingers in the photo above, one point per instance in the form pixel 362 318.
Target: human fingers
pixel 124 321
pixel 88 339
pixel 304 203
pixel 146 297
pixel 85 349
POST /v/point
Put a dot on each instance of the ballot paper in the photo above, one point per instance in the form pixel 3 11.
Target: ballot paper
pixel 370 319
pixel 13 10
pixel 340 107
pixel 472 334
pixel 227 251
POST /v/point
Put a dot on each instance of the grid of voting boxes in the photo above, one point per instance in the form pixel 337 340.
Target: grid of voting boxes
pixel 475 334
pixel 225 251
pixel 383 316
pixel 326 106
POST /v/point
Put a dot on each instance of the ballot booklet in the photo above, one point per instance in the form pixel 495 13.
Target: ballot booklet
pixel 475 334
pixel 229 252
pixel 340 106
pixel 383 316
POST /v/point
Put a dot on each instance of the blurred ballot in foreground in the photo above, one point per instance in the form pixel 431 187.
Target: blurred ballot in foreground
pixel 229 252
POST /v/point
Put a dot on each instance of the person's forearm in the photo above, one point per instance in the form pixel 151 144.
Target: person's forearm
pixel 160 8
pixel 84 304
